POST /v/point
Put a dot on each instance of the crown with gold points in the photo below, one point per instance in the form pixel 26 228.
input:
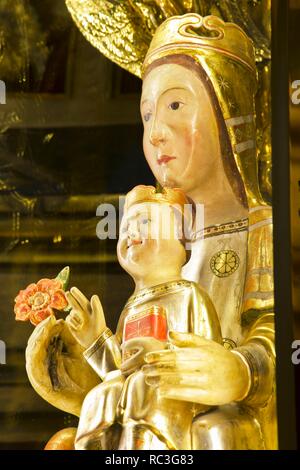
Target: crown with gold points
pixel 141 194
pixel 176 36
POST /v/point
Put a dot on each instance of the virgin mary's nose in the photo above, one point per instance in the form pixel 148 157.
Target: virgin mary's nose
pixel 158 133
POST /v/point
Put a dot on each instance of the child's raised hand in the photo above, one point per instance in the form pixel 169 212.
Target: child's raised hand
pixel 86 320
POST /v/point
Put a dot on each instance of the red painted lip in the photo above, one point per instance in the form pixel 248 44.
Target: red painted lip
pixel 165 159
pixel 134 242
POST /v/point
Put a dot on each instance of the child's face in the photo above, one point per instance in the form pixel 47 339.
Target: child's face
pixel 149 239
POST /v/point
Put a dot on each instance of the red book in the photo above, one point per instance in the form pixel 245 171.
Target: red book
pixel 149 322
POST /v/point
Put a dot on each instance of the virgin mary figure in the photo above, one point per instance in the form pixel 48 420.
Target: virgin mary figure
pixel 199 83
pixel 197 106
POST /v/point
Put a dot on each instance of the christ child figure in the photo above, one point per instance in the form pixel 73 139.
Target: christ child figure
pixel 125 411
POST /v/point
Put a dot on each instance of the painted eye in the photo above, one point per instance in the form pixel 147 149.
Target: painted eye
pixel 147 117
pixel 145 221
pixel 175 105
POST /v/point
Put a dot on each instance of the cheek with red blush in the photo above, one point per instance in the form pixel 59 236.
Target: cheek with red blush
pixel 184 145
pixel 189 140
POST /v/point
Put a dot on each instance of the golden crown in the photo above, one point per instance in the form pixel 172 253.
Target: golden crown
pixel 175 36
pixel 141 194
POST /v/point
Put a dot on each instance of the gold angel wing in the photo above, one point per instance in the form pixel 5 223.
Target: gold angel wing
pixel 121 30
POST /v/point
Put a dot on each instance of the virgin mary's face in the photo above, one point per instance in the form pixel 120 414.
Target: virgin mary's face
pixel 181 137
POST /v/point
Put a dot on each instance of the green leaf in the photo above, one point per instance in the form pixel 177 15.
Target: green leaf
pixel 63 277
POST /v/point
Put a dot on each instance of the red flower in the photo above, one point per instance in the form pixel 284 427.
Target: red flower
pixel 37 301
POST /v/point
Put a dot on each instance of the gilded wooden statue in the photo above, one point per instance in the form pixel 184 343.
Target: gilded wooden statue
pixel 215 383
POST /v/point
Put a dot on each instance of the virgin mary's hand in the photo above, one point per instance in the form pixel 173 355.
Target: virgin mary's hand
pixel 197 370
